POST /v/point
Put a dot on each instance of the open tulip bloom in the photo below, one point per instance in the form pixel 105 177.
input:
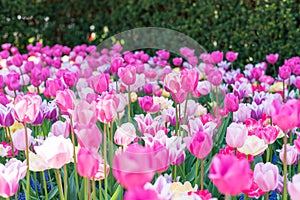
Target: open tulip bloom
pixel 77 123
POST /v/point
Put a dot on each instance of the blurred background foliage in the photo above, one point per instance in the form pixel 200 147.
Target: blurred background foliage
pixel 253 28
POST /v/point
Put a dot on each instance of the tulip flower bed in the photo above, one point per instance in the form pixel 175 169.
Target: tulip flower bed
pixel 81 124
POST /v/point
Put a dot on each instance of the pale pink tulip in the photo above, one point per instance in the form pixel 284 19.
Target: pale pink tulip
pixel 27 107
pixel 125 134
pixel 266 176
pixel 291 154
pixel 66 101
pixel 61 128
pixel 127 74
pixel 236 135
pixel 106 108
pixel 294 187
pixel 85 113
pixel 88 136
pixel 19 141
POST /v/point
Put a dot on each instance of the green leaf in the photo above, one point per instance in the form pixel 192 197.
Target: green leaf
pixel 117 193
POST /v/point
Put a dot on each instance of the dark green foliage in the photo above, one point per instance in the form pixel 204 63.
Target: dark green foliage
pixel 253 28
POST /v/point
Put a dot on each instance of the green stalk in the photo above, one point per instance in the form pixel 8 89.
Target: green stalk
pixel 185 108
pixel 177 120
pixel 284 193
pixel 105 160
pixel 59 184
pixel 94 189
pixel 74 153
pixel 267 196
pixel 12 144
pixel 268 154
pixel 85 192
pixel 129 105
pixel 202 174
pixel 196 172
pixel 45 185
pixel 283 91
pixel 27 163
pixel 100 190
pixel 65 181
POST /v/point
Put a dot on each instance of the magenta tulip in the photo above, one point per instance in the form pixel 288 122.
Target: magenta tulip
pixel 272 58
pixel 231 102
pixel 200 144
pixel 66 101
pixel 127 74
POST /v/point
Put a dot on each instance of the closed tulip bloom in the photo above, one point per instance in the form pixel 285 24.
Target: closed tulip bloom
pixel 106 108
pixel 13 81
pixel 66 101
pixel 229 174
pixel 99 83
pixel 70 78
pixel 231 102
pixel 236 135
pixel 272 58
pixel 217 56
pixel 61 128
pixel 231 56
pixel 10 175
pixel 127 74
pixel 27 107
pixel 285 72
pixel 125 134
pixel 266 176
pixel 141 169
pixel 253 146
pixel 17 60
pixel 52 87
pixel 88 136
pixel 291 154
pixel 200 144
pixel 189 79
pixel 294 187
pixel 87 163
pixel 6 116
pixel 286 116
pixel 177 61
pixel 215 77
pixel 56 151
pixel 147 104
pixel 85 113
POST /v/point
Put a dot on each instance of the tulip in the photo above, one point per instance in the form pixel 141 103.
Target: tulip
pixel 231 102
pixel 177 61
pixel 17 60
pixel 147 104
pixel 88 136
pixel 66 101
pixel 27 107
pixel 87 163
pixel 85 113
pixel 229 174
pixel 163 54
pixel 56 151
pixel 10 175
pixel 297 144
pixel 285 72
pixel 99 83
pixel 272 58
pixel 217 56
pixel 53 86
pixel 127 74
pixel 291 154
pixel 215 77
pixel 236 135
pixel 6 116
pixel 297 82
pixel 106 108
pixel 116 63
pixel 125 134
pixel 266 176
pixel 294 187
pixel 189 80
pixel 231 56
pixel 141 193
pixel 61 128
pixel 13 81
pixel 200 144
pixel 253 146
pixel 70 78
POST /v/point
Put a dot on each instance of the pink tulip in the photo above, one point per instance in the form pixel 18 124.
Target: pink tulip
pixel 294 187
pixel 189 80
pixel 266 176
pixel 291 154
pixel 141 194
pixel 99 83
pixel 297 144
pixel 10 175
pixel 87 162
pixel 106 108
pixel 19 141
pixel 56 151
pixel 116 63
pixel 88 136
pixel 17 60
pixel 193 60
pixel 70 78
pixel 6 46
pixel 125 134
pixel 231 56
pixel 217 56
pixel 231 102
pixel 13 81
pixel 200 144
pixel 147 104
pixel 297 82
pixel 141 169
pixel 85 113
pixel 66 101
pixel 61 128
pixel 268 134
pixel 286 116
pixel 272 58
pixel 215 77
pixel 187 52
pixel 285 72
pixel 177 61
pixel 6 116
pixel 127 74
pixel 256 72
pixel 53 86
pixel 229 174
pixel 236 135
pixel 27 107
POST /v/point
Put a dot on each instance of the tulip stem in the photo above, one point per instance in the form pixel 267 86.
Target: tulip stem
pixel 74 154
pixel 202 174
pixel 12 143
pixel 227 197
pixel 94 189
pixel 129 104
pixel 59 185
pixel 105 160
pixel 268 154
pixel 177 120
pixel 284 193
pixel 283 95
pixel 27 163
pixel 245 197
pixel 267 196
pixel 185 108
pixel 100 189
pixel 174 172
pixel 65 181
pixel 196 172
pixel 45 185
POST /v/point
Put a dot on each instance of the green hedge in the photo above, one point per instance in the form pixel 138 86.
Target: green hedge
pixel 253 28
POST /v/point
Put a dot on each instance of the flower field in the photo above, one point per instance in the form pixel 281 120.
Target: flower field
pixel 77 123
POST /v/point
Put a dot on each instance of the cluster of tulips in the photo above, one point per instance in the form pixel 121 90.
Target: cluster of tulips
pixel 83 124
